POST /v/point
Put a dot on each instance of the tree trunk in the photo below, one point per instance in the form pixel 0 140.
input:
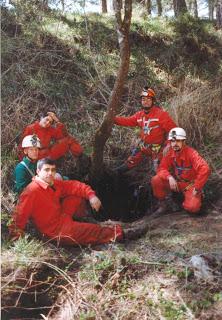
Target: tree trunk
pixel 211 5
pixel 180 7
pixel 148 6
pixel 159 7
pixel 104 131
pixel 192 7
pixel 104 6
pixel 195 8
pixel 219 14
pixel 63 5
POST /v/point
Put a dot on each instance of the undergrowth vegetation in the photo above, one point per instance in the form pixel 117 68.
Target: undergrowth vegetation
pixel 68 64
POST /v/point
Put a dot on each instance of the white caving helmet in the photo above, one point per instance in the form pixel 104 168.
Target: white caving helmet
pixel 31 141
pixel 177 134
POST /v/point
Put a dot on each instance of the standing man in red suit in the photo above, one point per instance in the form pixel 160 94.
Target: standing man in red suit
pixel 154 124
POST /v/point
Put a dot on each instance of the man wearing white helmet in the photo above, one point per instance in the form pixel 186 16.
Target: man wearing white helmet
pixel 181 170
pixel 26 169
pixel 42 203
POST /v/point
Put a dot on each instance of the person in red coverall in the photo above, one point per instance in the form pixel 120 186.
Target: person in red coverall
pixel 42 200
pixel 181 170
pixel 154 124
pixel 55 141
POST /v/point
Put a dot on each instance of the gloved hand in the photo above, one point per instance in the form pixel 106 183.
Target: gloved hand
pixel 53 116
pixel 95 203
pixel 173 184
pixel 195 192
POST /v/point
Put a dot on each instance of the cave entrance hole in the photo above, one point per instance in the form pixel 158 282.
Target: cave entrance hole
pixel 125 197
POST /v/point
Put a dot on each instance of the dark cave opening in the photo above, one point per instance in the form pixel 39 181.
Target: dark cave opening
pixel 123 198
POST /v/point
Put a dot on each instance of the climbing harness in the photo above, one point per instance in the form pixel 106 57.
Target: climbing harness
pixel 27 168
pixel 180 170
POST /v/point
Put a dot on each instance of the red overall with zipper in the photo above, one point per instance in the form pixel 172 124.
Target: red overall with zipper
pixel 154 128
pixel 191 172
pixel 55 141
pixel 44 205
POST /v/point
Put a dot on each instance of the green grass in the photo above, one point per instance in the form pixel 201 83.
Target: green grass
pixel 23 252
pixel 158 26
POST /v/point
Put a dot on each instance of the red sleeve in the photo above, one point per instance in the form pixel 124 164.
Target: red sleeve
pixel 167 122
pixel 21 213
pixel 165 166
pixel 126 121
pixel 59 131
pixel 76 188
pixel 29 130
pixel 202 169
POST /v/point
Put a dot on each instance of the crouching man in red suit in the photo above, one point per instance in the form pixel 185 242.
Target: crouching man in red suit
pixel 181 170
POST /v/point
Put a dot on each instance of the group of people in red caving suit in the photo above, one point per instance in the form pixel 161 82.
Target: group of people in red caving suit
pixel 60 208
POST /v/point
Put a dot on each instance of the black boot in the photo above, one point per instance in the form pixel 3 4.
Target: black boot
pixel 134 232
pixel 162 208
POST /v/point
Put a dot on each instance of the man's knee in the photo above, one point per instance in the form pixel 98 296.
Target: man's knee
pixel 132 162
pixel 75 146
pixel 65 140
pixel 156 181
pixel 158 187
pixel 135 158
pixel 193 206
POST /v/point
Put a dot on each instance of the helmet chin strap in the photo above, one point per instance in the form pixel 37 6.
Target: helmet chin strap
pixel 32 160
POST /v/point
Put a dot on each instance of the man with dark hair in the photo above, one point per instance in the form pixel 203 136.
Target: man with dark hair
pixel 43 161
pixel 182 170
pixel 42 201
pixel 53 136
pixel 154 124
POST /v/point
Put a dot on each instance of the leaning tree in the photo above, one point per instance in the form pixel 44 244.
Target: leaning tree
pixel 123 14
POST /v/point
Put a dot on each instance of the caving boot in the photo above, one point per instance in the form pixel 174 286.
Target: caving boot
pixel 175 207
pixel 163 207
pixel 134 232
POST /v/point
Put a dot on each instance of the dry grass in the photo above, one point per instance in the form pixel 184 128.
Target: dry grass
pixel 148 279
pixel 198 111
pixel 196 107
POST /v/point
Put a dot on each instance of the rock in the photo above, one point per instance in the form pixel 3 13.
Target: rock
pixel 201 268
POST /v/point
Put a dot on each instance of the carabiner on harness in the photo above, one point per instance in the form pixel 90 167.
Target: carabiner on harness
pixel 156 148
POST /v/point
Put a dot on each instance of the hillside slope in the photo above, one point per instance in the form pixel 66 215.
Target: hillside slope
pixel 68 64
